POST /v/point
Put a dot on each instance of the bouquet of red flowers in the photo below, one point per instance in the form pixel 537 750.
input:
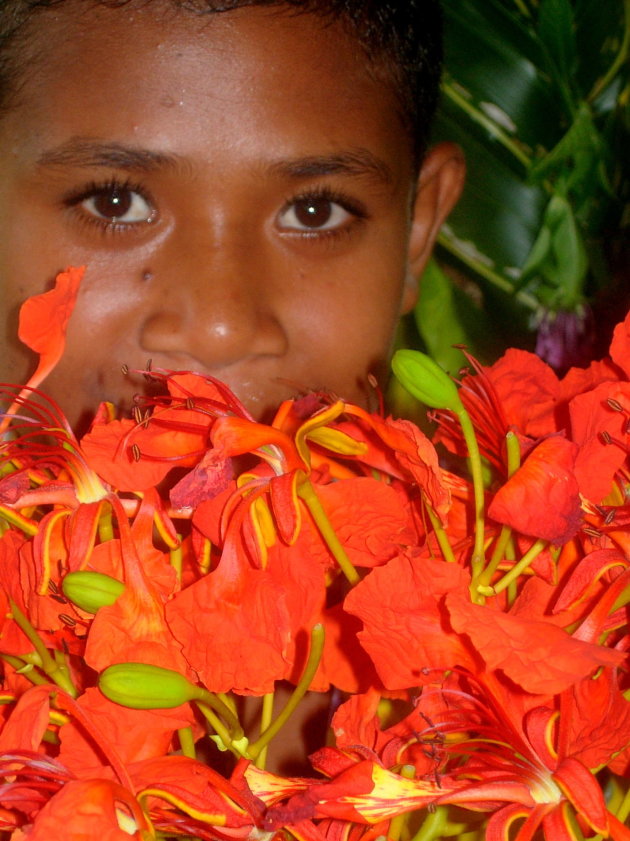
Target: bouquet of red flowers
pixel 468 610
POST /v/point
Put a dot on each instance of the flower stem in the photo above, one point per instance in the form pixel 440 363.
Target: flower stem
pixel 58 674
pixel 478 489
pixel 105 524
pixel 397 823
pixel 187 742
pixel 315 655
pixel 309 497
pixel 25 669
pixel 440 534
pixel 521 566
pixel 513 449
pixel 219 728
pixel 176 557
pixel 433 825
pixel 216 704
pixel 266 719
pixel 624 809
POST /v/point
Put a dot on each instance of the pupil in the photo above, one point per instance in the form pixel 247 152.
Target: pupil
pixel 113 203
pixel 313 214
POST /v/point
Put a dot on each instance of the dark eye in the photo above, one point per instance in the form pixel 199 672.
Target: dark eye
pixel 313 214
pixel 117 204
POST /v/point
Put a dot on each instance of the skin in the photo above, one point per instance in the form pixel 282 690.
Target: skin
pixel 264 230
pixel 219 134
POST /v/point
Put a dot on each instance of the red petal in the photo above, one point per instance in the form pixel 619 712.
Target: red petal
pixel 542 498
pixel 620 346
pixel 583 790
pixel 535 654
pixel 406 628
pixel 44 319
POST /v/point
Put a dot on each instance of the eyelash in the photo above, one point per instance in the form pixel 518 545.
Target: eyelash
pixel 73 200
pixel 325 193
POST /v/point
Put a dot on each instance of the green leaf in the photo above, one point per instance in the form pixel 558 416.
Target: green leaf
pixel 496 57
pixel 558 262
pixel 557 32
pixel 446 316
pixel 499 212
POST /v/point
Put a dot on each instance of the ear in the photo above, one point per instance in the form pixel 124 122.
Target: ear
pixel 440 184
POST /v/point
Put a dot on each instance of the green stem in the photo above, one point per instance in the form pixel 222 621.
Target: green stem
pixel 624 810
pixel 187 742
pixel 266 719
pixel 105 524
pixel 513 450
pixel 478 489
pixel 31 674
pixel 58 674
pixel 219 728
pixel 440 534
pixel 14 518
pixel 520 5
pixel 497 280
pixel 218 706
pixel 493 129
pixel 176 558
pixel 433 825
pixel 619 62
pixel 315 655
pixel 309 497
pixel 521 566
pixel 397 823
pixel 496 557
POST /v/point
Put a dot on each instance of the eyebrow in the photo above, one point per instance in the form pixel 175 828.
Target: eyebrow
pixel 87 153
pixel 81 152
pixel 359 163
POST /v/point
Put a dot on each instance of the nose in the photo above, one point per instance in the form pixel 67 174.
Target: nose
pixel 211 307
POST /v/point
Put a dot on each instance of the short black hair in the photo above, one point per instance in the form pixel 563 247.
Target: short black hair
pixel 402 39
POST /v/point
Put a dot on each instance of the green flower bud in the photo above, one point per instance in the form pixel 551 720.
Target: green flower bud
pixel 91 590
pixel 145 687
pixel 425 380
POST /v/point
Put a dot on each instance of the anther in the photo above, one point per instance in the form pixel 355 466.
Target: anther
pixel 610 516
pixel 615 405
pixel 52 586
pixel 190 403
pixel 605 437
pixel 591 532
pixel 58 598
pixel 125 369
pixel 67 620
pixel 137 414
pixel 148 365
pixel 135 451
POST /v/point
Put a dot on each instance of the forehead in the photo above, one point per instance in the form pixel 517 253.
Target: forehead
pixel 134 72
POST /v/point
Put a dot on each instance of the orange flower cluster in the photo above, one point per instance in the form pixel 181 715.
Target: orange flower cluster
pixel 465 598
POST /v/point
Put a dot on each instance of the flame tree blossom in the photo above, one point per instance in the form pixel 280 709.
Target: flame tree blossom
pixel 463 599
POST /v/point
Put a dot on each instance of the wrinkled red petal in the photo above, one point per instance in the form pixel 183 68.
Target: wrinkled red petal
pixel 406 627
pixel 535 654
pixel 44 320
pixel 542 498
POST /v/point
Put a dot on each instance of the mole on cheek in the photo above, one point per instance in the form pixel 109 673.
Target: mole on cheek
pixel 147 275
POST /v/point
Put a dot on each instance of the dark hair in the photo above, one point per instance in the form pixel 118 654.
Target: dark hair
pixel 402 40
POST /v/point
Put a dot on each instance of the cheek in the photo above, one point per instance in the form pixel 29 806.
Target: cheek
pixel 346 329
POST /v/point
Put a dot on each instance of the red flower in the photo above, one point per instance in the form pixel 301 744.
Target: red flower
pixel 44 320
pixel 406 627
pixel 542 498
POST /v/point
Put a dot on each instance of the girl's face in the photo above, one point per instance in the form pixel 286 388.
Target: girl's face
pixel 239 188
